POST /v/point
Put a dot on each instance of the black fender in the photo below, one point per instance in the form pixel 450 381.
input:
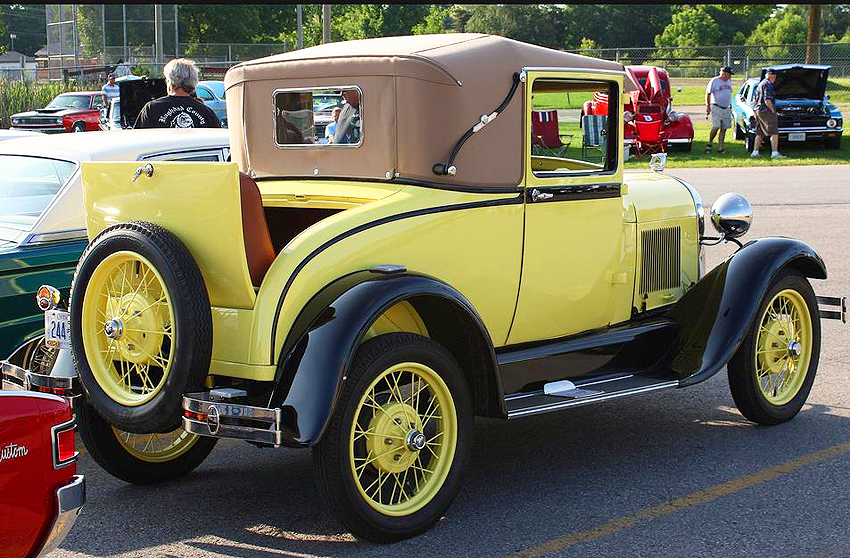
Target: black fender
pixel 716 314
pixel 320 346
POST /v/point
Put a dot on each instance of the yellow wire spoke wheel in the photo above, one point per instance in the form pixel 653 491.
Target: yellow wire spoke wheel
pixel 403 438
pixel 127 319
pixel 783 347
pixel 156 448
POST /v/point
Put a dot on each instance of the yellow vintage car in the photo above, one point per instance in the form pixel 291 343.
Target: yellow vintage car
pixel 464 244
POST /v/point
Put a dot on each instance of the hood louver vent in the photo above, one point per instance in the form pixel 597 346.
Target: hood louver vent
pixel 660 264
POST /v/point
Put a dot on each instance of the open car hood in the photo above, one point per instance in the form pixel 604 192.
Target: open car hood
pixel 135 94
pixel 799 81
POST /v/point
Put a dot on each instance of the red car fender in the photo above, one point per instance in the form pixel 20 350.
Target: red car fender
pixel 28 479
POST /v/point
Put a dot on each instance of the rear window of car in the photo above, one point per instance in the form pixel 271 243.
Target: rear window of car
pixel 27 186
pixel 296 112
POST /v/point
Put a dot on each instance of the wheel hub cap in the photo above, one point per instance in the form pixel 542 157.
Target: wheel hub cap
pixel 114 328
pixel 795 349
pixel 415 440
pixel 395 451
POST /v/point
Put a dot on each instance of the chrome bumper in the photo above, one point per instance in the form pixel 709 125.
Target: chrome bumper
pixel 833 308
pixel 16 378
pixel 70 500
pixel 206 415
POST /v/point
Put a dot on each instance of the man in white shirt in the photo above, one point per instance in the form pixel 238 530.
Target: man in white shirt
pixel 718 104
pixel 111 89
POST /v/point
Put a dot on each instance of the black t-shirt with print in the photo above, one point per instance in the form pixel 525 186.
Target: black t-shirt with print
pixel 174 111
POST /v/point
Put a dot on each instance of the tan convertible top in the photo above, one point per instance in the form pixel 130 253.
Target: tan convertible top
pixel 420 94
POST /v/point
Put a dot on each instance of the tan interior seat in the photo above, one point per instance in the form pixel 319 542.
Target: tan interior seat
pixel 255 230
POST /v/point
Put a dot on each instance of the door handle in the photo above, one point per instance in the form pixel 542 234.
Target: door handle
pixel 147 169
pixel 537 195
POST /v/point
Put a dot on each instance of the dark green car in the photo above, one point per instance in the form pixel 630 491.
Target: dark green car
pixel 42 232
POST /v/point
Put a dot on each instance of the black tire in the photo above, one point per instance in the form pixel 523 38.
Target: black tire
pixel 192 325
pixel 749 142
pixel 743 380
pixel 101 443
pixel 331 455
pixel 78 127
pixel 834 143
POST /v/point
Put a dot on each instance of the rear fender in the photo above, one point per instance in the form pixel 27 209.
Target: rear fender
pixel 716 314
pixel 320 347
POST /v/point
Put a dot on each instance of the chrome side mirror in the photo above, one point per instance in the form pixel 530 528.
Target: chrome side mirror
pixel 731 215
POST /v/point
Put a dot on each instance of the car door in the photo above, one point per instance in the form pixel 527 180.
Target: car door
pixel 578 252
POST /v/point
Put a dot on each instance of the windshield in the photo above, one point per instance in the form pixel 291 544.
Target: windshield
pixel 325 103
pixel 27 185
pixel 70 101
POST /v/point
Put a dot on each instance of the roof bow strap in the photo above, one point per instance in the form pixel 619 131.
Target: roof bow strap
pixel 442 169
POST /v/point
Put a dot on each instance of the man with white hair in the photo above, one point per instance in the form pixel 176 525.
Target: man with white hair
pixel 178 109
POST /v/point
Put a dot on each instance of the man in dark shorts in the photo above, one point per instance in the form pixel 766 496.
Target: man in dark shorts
pixel 767 123
pixel 178 109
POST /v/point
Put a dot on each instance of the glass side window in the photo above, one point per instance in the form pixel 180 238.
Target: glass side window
pixel 573 127
pixel 27 186
pixel 329 117
pixel 97 102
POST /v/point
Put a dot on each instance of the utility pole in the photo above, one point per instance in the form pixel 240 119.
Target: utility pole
pixel 157 15
pixel 13 37
pixel 326 23
pixel 300 32
pixel 813 35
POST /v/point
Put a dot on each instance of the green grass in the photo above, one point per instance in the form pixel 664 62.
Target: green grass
pixel 838 90
pixel 810 153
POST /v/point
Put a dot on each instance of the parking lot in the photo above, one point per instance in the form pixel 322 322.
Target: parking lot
pixel 679 473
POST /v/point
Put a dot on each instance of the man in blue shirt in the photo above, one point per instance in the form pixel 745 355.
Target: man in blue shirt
pixel 110 90
pixel 767 123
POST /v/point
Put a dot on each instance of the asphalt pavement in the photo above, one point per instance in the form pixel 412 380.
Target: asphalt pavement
pixel 676 473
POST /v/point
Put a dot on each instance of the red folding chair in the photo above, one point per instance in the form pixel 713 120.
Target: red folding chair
pixel 650 138
pixel 545 133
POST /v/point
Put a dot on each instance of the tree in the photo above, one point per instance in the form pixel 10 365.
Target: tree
pixel 437 20
pixel 787 26
pixel 813 34
pixel 27 22
pixel 691 26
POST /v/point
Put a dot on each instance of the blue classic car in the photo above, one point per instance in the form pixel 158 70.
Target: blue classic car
pixel 805 113
pixel 212 94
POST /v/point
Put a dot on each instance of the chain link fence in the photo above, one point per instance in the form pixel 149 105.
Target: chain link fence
pixel 745 60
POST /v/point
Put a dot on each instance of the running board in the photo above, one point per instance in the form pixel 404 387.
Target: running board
pixel 564 394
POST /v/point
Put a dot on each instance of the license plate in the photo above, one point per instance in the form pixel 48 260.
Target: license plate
pixel 797 136
pixel 56 329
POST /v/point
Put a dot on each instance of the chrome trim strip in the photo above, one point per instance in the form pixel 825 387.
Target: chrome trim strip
pixel 592 399
pixel 70 500
pixel 578 384
pixel 54 442
pixel 809 129
pixel 56 236
pixel 565 69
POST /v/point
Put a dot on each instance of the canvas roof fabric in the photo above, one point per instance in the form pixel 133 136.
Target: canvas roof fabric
pixel 420 95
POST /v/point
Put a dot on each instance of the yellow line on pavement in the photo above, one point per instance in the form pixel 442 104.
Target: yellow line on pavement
pixel 695 498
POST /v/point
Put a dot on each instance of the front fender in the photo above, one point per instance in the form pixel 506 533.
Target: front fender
pixel 716 314
pixel 320 347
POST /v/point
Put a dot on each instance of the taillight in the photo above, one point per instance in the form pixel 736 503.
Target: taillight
pixel 63 444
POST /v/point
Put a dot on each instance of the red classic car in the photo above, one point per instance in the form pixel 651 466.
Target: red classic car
pixel 650 123
pixel 40 492
pixel 68 112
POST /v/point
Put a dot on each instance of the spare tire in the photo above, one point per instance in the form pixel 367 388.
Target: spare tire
pixel 141 326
